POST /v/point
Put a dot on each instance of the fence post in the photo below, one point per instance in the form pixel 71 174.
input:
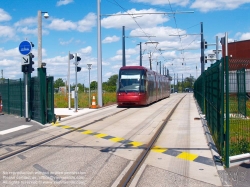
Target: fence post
pixel 227 101
pixel 21 102
pixel 222 76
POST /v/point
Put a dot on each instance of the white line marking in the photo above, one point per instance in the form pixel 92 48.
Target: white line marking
pixel 14 129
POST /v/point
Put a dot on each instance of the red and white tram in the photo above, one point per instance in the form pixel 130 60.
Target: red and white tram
pixel 138 85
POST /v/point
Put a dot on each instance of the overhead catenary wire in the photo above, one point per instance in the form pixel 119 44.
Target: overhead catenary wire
pixel 147 35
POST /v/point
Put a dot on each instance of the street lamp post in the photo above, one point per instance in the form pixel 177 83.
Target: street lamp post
pixel 39 52
pixel 41 71
pixel 89 68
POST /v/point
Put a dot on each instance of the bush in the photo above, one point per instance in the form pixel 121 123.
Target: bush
pixel 61 100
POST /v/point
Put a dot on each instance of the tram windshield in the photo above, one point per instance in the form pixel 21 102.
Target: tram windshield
pixel 131 80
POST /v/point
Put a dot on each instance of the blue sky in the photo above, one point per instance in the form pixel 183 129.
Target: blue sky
pixel 72 26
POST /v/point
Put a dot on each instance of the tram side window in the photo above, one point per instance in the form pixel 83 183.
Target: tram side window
pixel 143 83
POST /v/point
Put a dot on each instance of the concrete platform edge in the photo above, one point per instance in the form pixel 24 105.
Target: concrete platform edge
pixel 216 157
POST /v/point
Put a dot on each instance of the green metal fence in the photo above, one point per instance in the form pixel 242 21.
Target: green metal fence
pixel 222 94
pixel 41 102
pixel 12 92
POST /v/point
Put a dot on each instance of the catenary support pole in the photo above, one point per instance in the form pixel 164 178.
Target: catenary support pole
pixel 140 55
pixel 26 98
pixel 69 82
pixel 99 55
pixel 202 50
pixel 123 47
pixel 76 96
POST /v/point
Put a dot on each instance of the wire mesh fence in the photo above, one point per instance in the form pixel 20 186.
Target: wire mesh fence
pixel 239 106
pixel 13 98
pixel 223 95
pixel 12 92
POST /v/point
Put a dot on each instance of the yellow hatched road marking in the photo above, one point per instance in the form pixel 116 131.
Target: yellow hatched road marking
pixel 87 132
pixel 117 139
pixel 56 124
pixel 187 156
pixel 101 135
pixel 159 149
pixel 181 155
pixel 65 126
pixel 136 144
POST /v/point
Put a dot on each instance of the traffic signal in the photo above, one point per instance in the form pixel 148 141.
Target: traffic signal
pixel 77 59
pixel 25 66
pixel 71 56
pixel 205 59
pixel 204 45
pixel 30 69
pixel 78 69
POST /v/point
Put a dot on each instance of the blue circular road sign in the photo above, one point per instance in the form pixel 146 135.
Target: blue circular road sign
pixel 25 47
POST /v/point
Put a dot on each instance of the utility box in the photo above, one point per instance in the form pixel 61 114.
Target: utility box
pixel 72 94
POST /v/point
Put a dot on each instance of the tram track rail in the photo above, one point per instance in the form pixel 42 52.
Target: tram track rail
pixel 28 147
pixel 128 177
pixel 135 167
pixel 70 130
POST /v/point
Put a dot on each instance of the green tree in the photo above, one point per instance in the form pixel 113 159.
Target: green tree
pixel 58 83
pixel 110 85
pixel 112 80
pixel 189 82
pixel 80 87
pixel 93 85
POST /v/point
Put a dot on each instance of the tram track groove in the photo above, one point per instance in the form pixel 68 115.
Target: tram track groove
pixel 128 177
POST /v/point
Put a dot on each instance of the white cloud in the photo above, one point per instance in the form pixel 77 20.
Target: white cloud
pixel 63 2
pixel 116 58
pixel 241 36
pixel 158 33
pixel 9 53
pixel 83 25
pixel 165 41
pixel 131 51
pixel 58 60
pixel 87 23
pixel 111 39
pixel 60 24
pixel 108 74
pixel 7 32
pixel 85 51
pixel 163 2
pixel 26 30
pixel 147 20
pixel 31 21
pixel 65 42
pixel 4 16
pixel 245 36
pixel 7 62
pixel 212 5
